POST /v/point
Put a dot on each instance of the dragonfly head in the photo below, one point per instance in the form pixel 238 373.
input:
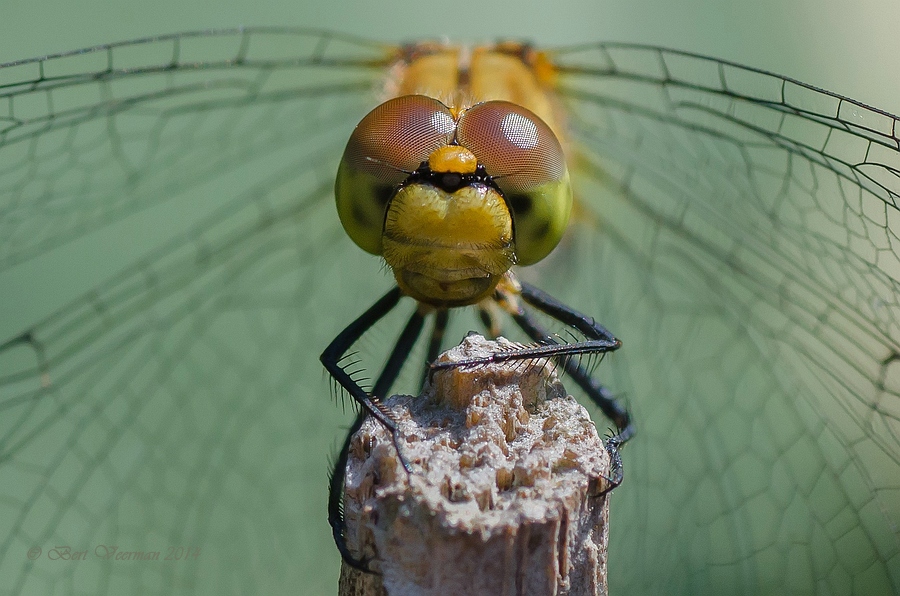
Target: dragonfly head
pixel 453 198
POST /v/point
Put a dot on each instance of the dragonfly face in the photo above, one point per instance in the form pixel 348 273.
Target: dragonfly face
pixel 736 228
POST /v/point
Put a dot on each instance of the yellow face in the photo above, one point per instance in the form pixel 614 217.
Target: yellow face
pixel 453 198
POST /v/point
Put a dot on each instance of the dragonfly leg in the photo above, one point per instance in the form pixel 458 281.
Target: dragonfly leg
pixel 600 395
pixel 336 518
pixel 371 402
pixel 599 341
pixel 387 378
pixel 441 318
pixel 400 353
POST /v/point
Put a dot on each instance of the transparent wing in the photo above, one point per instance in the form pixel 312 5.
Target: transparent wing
pixel 180 408
pixel 745 260
pixel 739 232
pixel 92 136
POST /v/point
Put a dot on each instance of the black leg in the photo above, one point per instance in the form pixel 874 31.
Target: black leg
pixel 335 352
pixel 336 500
pixel 564 314
pixel 387 377
pixel 486 321
pixel 441 318
pixel 600 395
pixel 599 341
pixel 400 354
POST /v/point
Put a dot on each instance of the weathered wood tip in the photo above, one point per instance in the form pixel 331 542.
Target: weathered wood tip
pixel 506 497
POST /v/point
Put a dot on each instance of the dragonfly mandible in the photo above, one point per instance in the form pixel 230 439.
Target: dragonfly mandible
pixel 736 228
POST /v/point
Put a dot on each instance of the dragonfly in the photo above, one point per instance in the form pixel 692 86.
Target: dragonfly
pixel 735 228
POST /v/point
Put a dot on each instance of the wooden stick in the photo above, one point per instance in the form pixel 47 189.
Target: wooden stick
pixel 505 497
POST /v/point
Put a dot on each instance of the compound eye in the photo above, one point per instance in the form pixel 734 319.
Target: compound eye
pixel 513 144
pixel 386 146
pixel 526 162
pixel 397 136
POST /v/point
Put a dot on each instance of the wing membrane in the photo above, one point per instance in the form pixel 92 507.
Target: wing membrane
pixel 736 229
pixel 174 407
pixel 747 259
pixel 90 137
